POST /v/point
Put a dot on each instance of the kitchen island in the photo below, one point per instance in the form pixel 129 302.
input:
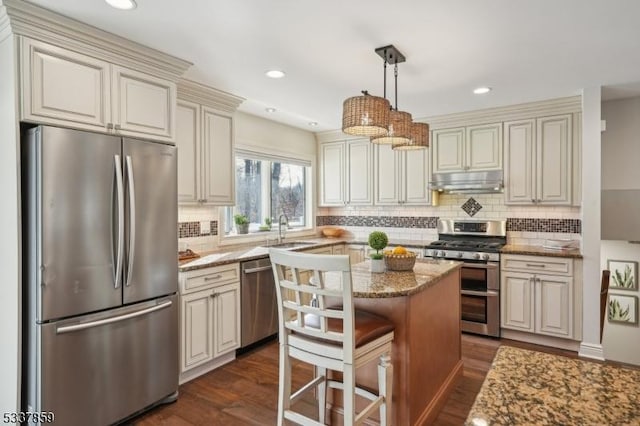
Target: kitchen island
pixel 424 305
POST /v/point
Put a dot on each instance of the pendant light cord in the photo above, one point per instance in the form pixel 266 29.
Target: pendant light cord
pixel 395 73
pixel 385 75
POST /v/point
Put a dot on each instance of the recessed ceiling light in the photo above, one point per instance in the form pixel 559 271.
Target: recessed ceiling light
pixel 270 110
pixel 481 90
pixel 313 123
pixel 122 4
pixel 275 74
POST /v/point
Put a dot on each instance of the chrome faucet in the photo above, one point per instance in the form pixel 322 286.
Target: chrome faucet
pixel 281 235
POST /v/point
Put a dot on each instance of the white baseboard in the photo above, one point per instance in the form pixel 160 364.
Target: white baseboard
pixel 194 372
pixel 538 339
pixel 591 350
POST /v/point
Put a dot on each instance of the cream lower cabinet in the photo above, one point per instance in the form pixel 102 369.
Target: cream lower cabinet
pixel 401 177
pixel 538 161
pixel 66 88
pixel 209 318
pixel 466 149
pixel 345 174
pixel 537 295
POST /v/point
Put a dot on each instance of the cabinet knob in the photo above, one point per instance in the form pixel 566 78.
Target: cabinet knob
pixel 109 126
pixel 118 127
pixel 214 295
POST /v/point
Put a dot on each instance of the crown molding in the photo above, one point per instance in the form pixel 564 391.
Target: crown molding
pixel 566 105
pixel 5 25
pixel 335 136
pixel 26 19
pixel 193 91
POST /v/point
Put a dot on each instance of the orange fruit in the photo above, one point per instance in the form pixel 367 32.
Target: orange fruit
pixel 399 250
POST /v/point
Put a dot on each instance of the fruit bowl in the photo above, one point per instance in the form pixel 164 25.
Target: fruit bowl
pixel 331 232
pixel 400 262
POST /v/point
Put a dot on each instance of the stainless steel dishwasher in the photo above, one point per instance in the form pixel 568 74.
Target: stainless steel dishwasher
pixel 259 316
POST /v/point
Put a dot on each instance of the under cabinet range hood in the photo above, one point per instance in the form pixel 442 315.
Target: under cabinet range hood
pixel 468 182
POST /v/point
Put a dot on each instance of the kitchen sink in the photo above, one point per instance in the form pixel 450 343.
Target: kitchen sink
pixel 292 244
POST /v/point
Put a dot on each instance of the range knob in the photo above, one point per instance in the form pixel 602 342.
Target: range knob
pixel 442 253
pixel 433 253
pixel 460 254
pixel 476 256
pixel 485 256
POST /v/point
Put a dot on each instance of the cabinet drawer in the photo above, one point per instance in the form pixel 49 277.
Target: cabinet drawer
pixel 210 277
pixel 538 264
pixel 320 250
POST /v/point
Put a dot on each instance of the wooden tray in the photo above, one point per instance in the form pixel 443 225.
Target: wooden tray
pixel 187 255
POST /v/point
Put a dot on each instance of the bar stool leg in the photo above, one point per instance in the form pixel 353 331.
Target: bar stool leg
pixel 284 386
pixel 322 394
pixel 348 394
pixel 385 388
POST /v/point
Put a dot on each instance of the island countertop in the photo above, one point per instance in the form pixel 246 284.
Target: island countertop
pixel 527 387
pixel 367 284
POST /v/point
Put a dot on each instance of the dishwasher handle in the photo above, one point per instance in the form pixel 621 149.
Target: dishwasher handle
pixel 256 270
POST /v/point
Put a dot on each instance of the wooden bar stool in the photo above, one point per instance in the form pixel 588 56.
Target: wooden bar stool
pixel 328 337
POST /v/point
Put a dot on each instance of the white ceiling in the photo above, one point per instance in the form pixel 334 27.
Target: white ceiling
pixel 525 50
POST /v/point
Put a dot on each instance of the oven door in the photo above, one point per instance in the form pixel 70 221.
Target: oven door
pixel 480 298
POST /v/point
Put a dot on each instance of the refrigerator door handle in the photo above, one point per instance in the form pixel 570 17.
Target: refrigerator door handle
pixel 92 324
pixel 120 243
pixel 132 219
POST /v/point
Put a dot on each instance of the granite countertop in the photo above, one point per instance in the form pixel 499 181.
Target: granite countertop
pixel 526 387
pixel 251 252
pixel 371 285
pixel 540 251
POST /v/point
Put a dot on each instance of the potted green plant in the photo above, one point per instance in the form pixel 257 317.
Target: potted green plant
pixel 378 240
pixel 266 226
pixel 242 223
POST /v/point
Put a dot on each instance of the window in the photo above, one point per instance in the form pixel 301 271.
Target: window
pixel 265 189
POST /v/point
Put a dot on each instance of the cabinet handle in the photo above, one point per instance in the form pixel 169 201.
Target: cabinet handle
pixel 535 265
pixel 117 127
pixel 215 277
pixel 214 295
pixel 109 126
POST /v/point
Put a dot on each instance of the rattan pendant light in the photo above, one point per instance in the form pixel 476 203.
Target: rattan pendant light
pixel 399 121
pixel 365 115
pixel 419 138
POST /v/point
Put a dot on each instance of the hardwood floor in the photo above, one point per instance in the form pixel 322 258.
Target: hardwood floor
pixel 245 391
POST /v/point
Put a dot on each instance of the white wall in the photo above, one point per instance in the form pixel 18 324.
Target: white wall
pixel 10 231
pixel 620 156
pixel 591 159
pixel 258 133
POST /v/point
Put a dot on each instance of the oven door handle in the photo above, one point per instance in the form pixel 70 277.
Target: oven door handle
pixel 489 293
pixel 488 265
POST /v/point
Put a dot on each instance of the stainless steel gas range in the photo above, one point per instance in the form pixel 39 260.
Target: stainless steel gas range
pixel 477 243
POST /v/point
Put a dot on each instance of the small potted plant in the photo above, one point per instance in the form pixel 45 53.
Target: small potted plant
pixel 266 226
pixel 378 240
pixel 242 223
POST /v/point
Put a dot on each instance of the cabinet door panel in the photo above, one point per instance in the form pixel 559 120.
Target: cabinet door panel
pixel 416 178
pixel 332 174
pixel 553 305
pixel 219 163
pixel 227 319
pixel 554 160
pixel 360 174
pixel 197 323
pixel 143 105
pixel 387 175
pixel 188 144
pixel 519 162
pixel 64 87
pixel 448 150
pixel 517 301
pixel 484 147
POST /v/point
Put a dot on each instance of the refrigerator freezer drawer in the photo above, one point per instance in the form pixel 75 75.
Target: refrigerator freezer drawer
pixel 101 368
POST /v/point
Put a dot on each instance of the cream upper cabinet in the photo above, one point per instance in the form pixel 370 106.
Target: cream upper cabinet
pixel 473 148
pixel 62 87
pixel 142 105
pixel 219 164
pixel 538 166
pixel 346 173
pixel 401 177
pixel 538 296
pixel 205 141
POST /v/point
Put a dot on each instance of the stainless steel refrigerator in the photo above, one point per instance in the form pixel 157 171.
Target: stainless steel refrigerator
pixel 100 274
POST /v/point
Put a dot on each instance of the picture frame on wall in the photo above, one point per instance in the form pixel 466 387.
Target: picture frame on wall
pixel 624 274
pixel 623 309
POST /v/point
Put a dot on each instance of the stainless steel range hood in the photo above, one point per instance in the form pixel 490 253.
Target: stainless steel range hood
pixel 468 182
